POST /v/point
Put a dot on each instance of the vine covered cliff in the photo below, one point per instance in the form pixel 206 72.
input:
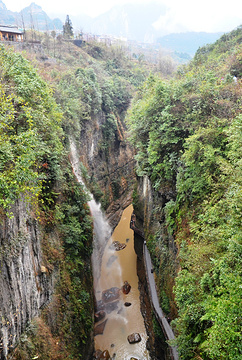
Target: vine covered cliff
pixel 187 136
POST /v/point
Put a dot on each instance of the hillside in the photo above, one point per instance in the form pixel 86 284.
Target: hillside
pixel 187 136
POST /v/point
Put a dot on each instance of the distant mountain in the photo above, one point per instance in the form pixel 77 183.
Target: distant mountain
pixel 188 42
pixel 34 16
pixel 138 22
pixel 30 17
pixel 7 17
pixel 132 21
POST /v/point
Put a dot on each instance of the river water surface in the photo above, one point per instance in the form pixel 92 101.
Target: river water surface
pixel 117 267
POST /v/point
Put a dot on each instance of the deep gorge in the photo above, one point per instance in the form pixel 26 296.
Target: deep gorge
pixel 170 147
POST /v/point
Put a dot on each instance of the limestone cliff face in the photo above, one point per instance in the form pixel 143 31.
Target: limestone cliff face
pixel 110 168
pixel 149 209
pixel 25 284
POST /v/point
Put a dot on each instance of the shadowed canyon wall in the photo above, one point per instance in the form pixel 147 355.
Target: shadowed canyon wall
pixel 26 284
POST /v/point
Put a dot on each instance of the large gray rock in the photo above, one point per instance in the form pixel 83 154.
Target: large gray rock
pixel 111 306
pixel 99 305
pixel 110 294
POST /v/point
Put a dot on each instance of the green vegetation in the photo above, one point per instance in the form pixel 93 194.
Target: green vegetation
pixel 35 167
pixel 187 133
pixel 30 131
pixel 68 29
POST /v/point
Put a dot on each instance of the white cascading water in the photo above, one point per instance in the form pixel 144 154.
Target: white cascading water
pixel 110 269
pixel 102 230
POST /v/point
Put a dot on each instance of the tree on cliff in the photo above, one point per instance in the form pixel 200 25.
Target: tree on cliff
pixel 68 29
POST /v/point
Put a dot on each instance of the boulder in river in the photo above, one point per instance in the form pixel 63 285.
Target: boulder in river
pixel 117 246
pixel 99 329
pixel 111 306
pixel 99 305
pixel 100 315
pixel 110 294
pixel 97 354
pixel 101 355
pixel 126 287
pixel 134 338
pixel 105 355
pixel 127 304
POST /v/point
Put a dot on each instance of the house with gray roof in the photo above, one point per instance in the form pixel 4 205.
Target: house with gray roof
pixel 11 33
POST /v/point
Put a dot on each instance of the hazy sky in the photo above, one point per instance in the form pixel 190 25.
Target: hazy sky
pixel 182 15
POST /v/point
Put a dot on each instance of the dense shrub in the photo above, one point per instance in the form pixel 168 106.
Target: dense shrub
pixel 187 135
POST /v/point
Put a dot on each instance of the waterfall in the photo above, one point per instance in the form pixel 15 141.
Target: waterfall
pixel 102 229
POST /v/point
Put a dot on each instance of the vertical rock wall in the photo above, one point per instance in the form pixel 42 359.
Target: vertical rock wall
pixel 151 217
pixel 150 211
pixel 25 284
pixel 111 169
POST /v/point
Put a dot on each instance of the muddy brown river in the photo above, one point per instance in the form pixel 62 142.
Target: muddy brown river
pixel 118 267
pixel 115 268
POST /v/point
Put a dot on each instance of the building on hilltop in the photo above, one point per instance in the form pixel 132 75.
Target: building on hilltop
pixel 11 33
